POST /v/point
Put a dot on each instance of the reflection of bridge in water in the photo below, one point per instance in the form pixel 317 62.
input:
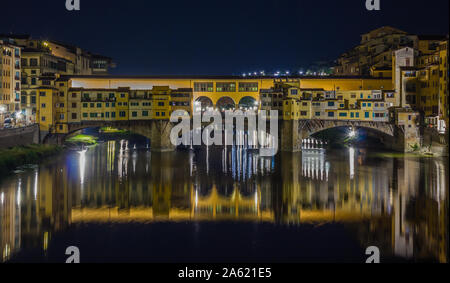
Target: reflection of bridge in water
pixel 389 200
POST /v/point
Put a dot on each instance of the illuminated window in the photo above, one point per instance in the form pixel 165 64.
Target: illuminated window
pixel 248 87
pixel 225 87
pixel 203 87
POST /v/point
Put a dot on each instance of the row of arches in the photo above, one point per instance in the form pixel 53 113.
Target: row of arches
pixel 227 103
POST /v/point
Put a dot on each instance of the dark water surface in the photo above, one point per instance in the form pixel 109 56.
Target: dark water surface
pixel 119 202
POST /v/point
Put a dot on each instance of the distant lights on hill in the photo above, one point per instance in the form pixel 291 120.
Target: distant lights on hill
pixel 285 73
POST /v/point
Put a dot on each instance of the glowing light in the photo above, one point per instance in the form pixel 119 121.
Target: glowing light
pixel 352 162
pixel 36 184
pixel 352 133
pixel 82 164
pixel 19 196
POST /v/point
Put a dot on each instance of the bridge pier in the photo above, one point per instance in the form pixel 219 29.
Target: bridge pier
pixel 406 139
pixel 291 140
pixel 160 136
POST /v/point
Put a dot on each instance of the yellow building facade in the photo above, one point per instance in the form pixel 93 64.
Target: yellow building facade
pixel 77 99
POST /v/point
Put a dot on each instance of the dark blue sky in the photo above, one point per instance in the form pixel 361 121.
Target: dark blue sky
pixel 214 36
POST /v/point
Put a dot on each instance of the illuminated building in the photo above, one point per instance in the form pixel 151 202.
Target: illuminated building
pixel 10 76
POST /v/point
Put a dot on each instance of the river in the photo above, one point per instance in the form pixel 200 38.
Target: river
pixel 117 201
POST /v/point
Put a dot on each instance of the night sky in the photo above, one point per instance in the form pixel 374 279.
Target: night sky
pixel 217 37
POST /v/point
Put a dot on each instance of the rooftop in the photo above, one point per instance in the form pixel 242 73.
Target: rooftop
pixel 214 77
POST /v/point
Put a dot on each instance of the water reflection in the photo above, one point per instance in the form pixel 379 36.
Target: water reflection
pixel 398 204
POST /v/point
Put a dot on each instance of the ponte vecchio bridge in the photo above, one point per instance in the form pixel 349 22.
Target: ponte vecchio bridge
pixel 305 106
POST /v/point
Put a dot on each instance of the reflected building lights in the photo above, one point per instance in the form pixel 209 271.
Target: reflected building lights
pixel 36 176
pixel 293 190
pixel 19 194
pixel 82 164
pixel 352 162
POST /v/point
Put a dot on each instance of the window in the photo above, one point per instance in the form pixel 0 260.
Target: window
pixel 157 113
pixel 43 118
pixel 342 114
pixel 294 91
pixel 366 114
pixel 74 115
pixel 99 105
pixel 160 103
pixel 61 93
pixel 225 87
pixel 99 96
pixel 145 113
pixel 248 87
pixel 163 113
pixel 122 114
pixel 33 99
pixel 113 114
pixel 43 105
pixel 330 114
pixel 85 105
pixel 61 116
pixel 122 95
pixel 134 114
pixel 91 105
pixel 203 87
pixel 107 114
pixel 303 113
pixel 93 115
pixel 42 93
pixel 317 113
pixel 74 95
pixel 330 103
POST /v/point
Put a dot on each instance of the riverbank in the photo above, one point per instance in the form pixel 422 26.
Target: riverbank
pixel 14 157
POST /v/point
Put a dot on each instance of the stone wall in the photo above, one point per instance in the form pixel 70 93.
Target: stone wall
pixel 19 136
